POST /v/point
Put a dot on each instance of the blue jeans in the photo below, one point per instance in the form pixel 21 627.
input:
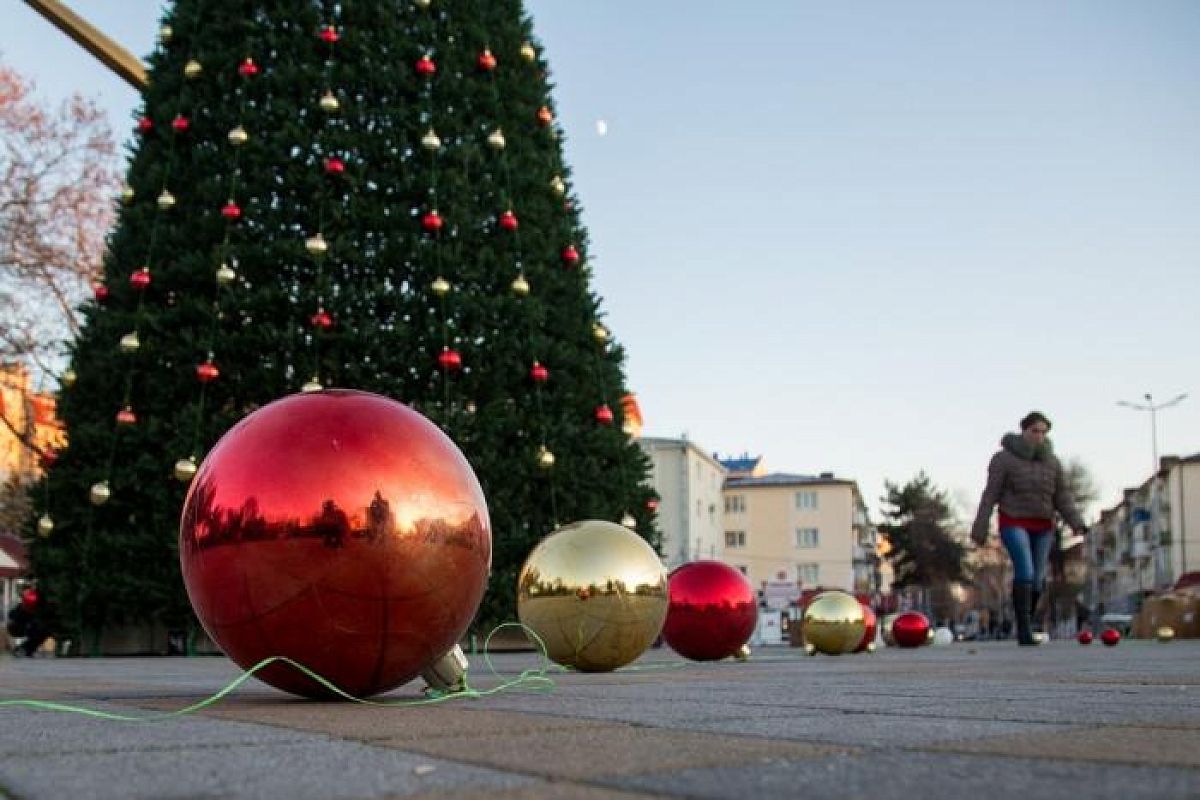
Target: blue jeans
pixel 1029 553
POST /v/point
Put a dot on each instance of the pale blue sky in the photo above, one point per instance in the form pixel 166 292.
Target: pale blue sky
pixel 866 237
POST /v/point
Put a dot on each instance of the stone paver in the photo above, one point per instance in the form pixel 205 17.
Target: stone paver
pixel 986 720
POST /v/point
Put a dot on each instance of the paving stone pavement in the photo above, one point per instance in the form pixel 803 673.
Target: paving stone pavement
pixel 969 720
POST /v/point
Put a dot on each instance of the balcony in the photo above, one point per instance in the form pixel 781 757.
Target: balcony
pixel 1139 549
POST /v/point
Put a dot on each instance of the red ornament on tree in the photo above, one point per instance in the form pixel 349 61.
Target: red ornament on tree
pixel 140 279
pixel 450 360
pixel 432 222
pixel 538 373
pixel 49 458
pixel 321 320
pixel 145 125
pixel 207 372
pixel 126 416
pixel 910 629
pixel 508 221
pixel 713 610
pixel 425 67
pixel 1085 637
pixel 544 116
pixel 100 292
pixel 604 414
pixel 231 211
pixel 248 69
pixel 1111 637
pixel 334 166
pixel 570 256
pixel 486 61
pixel 652 504
pixel 180 124
pixel 388 564
pixel 329 35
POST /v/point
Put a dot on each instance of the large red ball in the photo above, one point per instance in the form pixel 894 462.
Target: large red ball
pixel 712 613
pixel 1111 637
pixel 872 623
pixel 1084 637
pixel 339 529
pixel 911 629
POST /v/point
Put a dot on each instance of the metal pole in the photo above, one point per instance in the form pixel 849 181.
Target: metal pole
pixel 112 55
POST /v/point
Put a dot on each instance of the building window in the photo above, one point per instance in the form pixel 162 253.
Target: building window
pixel 806 500
pixel 735 538
pixel 735 503
pixel 807 537
pixel 808 574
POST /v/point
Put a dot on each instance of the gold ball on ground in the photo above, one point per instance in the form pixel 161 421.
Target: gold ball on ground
pixel 166 200
pixel 743 653
pixel 595 593
pixel 130 343
pixel 192 69
pixel 520 286
pixel 238 136
pixel 225 275
pixel 1165 633
pixel 440 287
pixel 99 493
pixel 45 525
pixel 185 469
pixel 834 623
pixel 809 649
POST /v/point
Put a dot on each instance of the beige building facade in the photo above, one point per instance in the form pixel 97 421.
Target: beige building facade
pixel 814 530
pixel 689 484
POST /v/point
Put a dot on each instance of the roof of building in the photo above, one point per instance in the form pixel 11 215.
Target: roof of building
pixel 786 479
pixel 683 443
pixel 13 560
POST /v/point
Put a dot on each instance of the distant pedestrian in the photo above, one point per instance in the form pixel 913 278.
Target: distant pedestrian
pixel 25 620
pixel 1026 480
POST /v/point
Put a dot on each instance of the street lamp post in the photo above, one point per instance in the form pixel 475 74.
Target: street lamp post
pixel 1153 408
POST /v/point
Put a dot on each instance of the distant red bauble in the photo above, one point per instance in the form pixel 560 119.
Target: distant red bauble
pixel 339 529
pixel 872 622
pixel 1085 637
pixel 910 629
pixel 1110 637
pixel 712 613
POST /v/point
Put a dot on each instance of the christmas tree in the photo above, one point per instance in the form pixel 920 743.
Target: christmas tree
pixel 355 194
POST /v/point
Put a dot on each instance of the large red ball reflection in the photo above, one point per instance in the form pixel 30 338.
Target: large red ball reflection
pixel 339 529
pixel 712 613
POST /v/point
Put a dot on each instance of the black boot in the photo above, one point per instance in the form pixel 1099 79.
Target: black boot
pixel 1035 617
pixel 1021 595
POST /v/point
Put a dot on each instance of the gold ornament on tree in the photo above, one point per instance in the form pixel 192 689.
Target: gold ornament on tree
pixel 130 343
pixel 185 469
pixel 558 186
pixel 192 69
pixel 99 493
pixel 68 378
pixel 430 141
pixel 527 52
pixel 313 385
pixel 166 200
pixel 329 103
pixel 440 287
pixel 595 593
pixel 165 33
pixel 45 525
pixel 316 245
pixel 599 333
pixel 225 275
pixel 545 458
pixel 495 140
pixel 238 136
pixel 520 286
pixel 127 194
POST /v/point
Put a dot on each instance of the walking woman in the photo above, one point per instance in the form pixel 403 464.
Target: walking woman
pixel 1026 479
